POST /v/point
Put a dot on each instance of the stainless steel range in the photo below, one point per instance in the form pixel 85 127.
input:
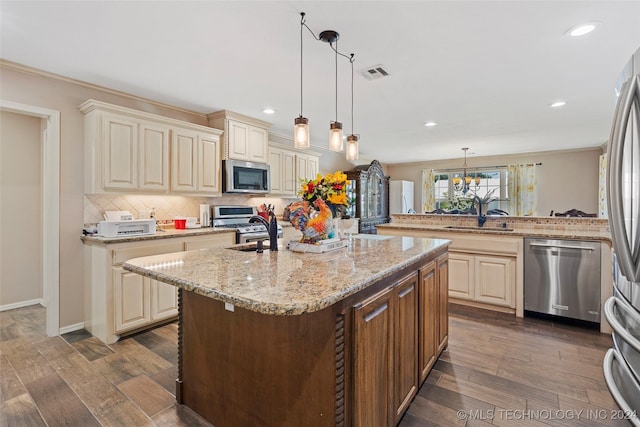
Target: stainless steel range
pixel 241 218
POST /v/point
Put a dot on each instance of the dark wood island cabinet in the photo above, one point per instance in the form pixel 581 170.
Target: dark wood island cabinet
pixel 343 338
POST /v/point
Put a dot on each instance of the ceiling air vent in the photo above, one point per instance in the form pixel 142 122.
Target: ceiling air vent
pixel 374 72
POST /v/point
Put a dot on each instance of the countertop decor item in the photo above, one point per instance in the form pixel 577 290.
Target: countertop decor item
pixel 331 188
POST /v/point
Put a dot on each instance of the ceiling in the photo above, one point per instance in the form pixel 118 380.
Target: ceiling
pixel 485 71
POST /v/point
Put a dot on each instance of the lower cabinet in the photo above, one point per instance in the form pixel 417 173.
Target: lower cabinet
pixel 398 335
pixel 483 278
pixel 119 301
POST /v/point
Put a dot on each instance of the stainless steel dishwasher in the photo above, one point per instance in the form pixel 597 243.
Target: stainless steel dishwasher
pixel 562 278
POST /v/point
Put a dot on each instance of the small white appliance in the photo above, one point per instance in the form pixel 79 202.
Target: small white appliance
pixel 134 227
pixel 205 215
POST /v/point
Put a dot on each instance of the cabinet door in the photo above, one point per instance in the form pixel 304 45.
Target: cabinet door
pixel 275 170
pixel 373 329
pixel 405 360
pixel 184 167
pixel 288 171
pixel 131 300
pixel 238 140
pixel 164 300
pixel 462 276
pixel 313 166
pixel 153 171
pixel 495 277
pixel 302 168
pixel 443 301
pixel 258 144
pixel 283 172
pixel 428 321
pixel 209 164
pixel 120 153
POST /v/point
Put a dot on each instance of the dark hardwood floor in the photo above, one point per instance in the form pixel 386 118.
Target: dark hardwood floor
pixel 498 370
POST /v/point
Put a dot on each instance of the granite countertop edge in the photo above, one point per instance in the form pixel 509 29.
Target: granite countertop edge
pixel 570 234
pixel 289 309
pixel 168 233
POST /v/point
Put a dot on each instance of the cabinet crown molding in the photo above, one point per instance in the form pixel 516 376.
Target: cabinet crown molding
pixel 91 105
pixel 226 114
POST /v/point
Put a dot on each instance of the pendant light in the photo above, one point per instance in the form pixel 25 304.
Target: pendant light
pixel 301 137
pixel 352 140
pixel 335 127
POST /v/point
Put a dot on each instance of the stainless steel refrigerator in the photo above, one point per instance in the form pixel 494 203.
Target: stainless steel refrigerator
pixel 622 362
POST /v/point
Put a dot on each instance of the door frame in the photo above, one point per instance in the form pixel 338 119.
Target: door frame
pixel 50 207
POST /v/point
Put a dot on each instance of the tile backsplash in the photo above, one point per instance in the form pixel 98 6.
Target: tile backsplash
pixel 166 207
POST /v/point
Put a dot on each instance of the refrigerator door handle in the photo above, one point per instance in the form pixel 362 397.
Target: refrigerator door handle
pixel 629 264
pixel 618 327
pixel 607 367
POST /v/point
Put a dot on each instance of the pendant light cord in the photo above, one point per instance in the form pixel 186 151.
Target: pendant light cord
pixel 301 24
pixel 336 50
pixel 351 60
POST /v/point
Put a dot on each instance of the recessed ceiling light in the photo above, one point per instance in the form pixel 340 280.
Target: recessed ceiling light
pixel 582 29
pixel 558 104
pixel 430 124
pixel 269 111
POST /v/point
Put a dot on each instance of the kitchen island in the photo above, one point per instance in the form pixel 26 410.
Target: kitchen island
pixel 290 339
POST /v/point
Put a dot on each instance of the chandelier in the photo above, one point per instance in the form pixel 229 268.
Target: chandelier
pixel 463 183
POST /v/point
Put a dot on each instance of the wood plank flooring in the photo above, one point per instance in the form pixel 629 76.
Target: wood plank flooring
pixel 498 370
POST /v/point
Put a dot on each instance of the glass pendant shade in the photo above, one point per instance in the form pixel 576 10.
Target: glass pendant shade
pixel 352 147
pixel 301 133
pixel 335 137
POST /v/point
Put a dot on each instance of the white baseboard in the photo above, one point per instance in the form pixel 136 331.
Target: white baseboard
pixel 71 328
pixel 22 304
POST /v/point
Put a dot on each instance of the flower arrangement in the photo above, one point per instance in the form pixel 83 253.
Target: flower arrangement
pixel 331 188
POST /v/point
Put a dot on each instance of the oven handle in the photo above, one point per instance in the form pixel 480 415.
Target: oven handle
pixel 253 237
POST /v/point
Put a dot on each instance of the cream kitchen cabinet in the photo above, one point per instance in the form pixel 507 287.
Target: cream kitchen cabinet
pixel 282 165
pixel 245 138
pixel 118 302
pixel 128 151
pixel 307 166
pixel 484 270
pixel 195 162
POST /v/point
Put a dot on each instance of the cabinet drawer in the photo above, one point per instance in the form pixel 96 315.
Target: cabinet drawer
pixel 122 255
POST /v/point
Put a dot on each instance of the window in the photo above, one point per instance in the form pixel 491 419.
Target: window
pixel 450 194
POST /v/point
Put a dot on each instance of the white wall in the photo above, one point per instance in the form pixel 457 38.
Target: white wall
pixel 566 179
pixel 20 208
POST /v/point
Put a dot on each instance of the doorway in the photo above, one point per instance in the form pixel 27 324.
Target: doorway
pixel 49 220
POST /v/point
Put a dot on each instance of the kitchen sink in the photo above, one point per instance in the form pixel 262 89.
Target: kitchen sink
pixel 475 227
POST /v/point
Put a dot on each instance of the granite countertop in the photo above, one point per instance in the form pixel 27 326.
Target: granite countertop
pixel 571 233
pixel 161 233
pixel 286 282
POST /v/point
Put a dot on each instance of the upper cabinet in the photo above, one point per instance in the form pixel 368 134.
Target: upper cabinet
pixel 244 138
pixel 288 165
pixel 195 162
pixel 128 150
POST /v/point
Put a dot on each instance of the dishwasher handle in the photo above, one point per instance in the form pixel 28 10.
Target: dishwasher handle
pixel 547 245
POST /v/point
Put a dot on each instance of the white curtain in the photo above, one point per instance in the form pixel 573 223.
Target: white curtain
pixel 522 188
pixel 428 192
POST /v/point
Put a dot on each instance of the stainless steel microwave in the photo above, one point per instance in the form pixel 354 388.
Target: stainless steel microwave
pixel 245 177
